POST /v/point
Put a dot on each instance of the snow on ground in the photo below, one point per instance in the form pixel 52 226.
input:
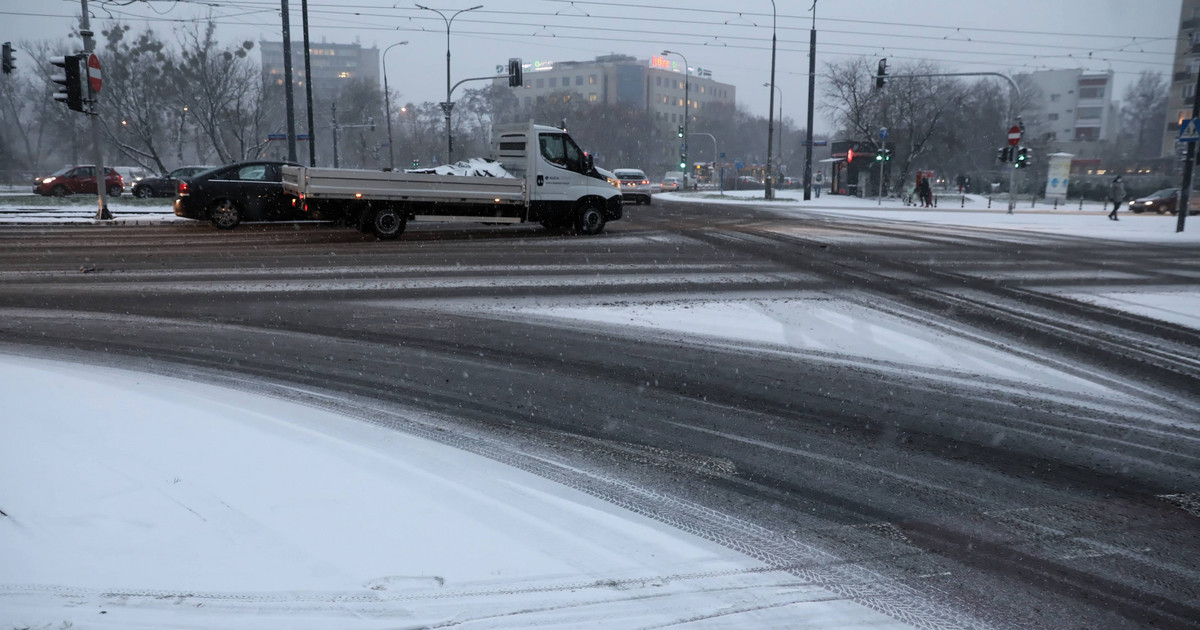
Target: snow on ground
pixel 141 501
pixel 1179 307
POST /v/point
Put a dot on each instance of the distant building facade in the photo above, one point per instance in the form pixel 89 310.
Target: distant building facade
pixel 656 85
pixel 332 65
pixel 1072 110
pixel 1183 79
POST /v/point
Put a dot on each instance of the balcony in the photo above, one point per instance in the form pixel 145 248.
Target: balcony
pixel 1182 75
pixel 1189 24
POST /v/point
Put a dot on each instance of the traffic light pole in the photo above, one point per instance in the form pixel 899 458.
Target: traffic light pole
pixel 1185 190
pixel 102 213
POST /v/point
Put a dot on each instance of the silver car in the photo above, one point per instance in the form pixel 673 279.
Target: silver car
pixel 635 185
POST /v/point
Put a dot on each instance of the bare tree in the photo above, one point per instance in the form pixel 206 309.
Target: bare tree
pixel 1143 113
pixel 137 98
pixel 223 91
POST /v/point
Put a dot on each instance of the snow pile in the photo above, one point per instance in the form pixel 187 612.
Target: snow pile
pixel 475 167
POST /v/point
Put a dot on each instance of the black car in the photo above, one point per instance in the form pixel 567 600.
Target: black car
pixel 165 186
pixel 228 195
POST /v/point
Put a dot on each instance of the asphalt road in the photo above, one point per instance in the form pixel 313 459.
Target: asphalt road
pixel 941 499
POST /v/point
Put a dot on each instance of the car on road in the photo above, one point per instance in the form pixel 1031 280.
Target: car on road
pixel 78 180
pixel 166 185
pixel 1161 201
pixel 245 191
pixel 671 182
pixel 132 174
pixel 635 185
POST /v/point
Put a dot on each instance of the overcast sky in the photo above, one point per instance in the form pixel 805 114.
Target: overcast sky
pixel 1126 36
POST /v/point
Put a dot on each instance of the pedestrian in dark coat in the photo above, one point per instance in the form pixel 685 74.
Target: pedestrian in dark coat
pixel 925 192
pixel 1116 194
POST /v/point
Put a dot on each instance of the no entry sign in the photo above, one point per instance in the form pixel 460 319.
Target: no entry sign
pixel 1014 135
pixel 93 70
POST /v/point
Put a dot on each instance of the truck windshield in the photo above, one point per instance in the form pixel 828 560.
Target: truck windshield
pixel 561 150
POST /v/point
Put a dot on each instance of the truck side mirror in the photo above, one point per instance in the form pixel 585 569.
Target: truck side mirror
pixel 589 162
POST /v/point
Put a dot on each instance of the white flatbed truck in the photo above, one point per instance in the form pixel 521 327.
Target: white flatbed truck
pixel 553 182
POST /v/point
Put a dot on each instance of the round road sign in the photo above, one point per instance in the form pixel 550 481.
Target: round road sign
pixel 93 70
pixel 1014 135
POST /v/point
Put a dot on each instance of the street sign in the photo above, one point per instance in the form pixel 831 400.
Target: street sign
pixel 93 71
pixel 883 133
pixel 1014 135
pixel 277 136
pixel 1189 131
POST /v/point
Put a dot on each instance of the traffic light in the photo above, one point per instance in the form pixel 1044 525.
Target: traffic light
pixel 887 154
pixel 9 64
pixel 881 73
pixel 515 73
pixel 680 132
pixel 1003 154
pixel 682 162
pixel 416 163
pixel 71 81
pixel 1022 157
pixel 879 156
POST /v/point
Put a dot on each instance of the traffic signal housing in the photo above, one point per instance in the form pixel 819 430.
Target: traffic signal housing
pixel 680 132
pixel 70 81
pixel 516 75
pixel 682 162
pixel 1004 154
pixel 1022 157
pixel 9 64
pixel 880 73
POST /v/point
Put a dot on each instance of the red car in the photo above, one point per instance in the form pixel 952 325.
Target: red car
pixel 78 179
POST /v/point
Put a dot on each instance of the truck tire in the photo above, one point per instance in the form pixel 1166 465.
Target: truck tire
pixel 589 218
pixel 388 223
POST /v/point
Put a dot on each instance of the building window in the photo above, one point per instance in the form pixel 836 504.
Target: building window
pixel 592 98
pixel 541 83
pixel 579 79
pixel 1189 90
pixel 528 101
pixel 553 82
pixel 1051 116
pixel 591 79
pixel 1054 97
pixel 1091 92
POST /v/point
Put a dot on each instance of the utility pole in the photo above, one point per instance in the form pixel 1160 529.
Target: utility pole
pixel 85 31
pixel 288 97
pixel 312 132
pixel 1185 190
pixel 812 88
pixel 333 109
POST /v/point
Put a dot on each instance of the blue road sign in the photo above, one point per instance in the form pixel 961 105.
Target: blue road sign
pixel 883 133
pixel 1189 131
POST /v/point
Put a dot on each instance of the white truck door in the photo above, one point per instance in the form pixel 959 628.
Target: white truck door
pixel 562 170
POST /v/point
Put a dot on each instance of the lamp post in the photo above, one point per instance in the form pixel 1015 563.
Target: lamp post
pixel 387 105
pixel 769 192
pixel 686 113
pixel 780 144
pixel 448 106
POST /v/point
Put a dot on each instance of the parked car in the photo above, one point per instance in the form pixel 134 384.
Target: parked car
pixel 634 185
pixel 78 180
pixel 132 174
pixel 791 182
pixel 229 195
pixel 166 185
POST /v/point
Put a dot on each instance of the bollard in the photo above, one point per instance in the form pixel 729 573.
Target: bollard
pixel 1056 203
pixel 1081 202
pixel 963 203
pixel 989 202
pixel 1032 200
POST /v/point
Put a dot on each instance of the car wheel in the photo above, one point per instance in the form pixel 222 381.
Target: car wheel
pixel 225 214
pixel 388 223
pixel 648 199
pixel 143 192
pixel 59 191
pixel 589 219
pixel 115 191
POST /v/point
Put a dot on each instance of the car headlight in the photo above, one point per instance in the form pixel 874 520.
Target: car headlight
pixel 48 180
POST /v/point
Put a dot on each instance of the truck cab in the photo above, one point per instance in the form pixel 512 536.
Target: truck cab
pixel 564 186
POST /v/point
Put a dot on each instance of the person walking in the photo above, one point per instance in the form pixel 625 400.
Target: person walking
pixel 818 180
pixel 925 192
pixel 1116 194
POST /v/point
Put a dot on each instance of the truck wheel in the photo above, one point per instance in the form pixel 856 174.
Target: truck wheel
pixel 589 219
pixel 388 223
pixel 225 214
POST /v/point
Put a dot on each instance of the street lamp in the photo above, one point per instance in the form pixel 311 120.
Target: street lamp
pixel 387 105
pixel 769 193
pixel 448 106
pixel 686 114
pixel 780 118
